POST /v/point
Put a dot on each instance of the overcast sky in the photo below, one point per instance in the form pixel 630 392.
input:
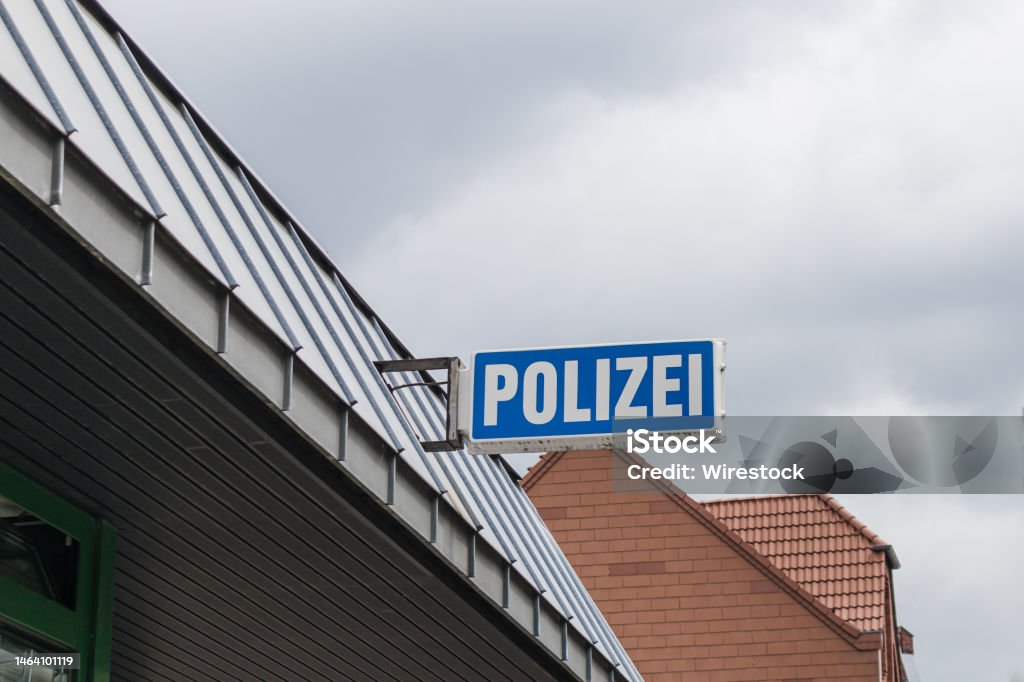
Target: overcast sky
pixel 834 188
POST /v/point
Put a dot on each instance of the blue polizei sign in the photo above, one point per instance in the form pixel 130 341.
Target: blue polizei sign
pixel 580 397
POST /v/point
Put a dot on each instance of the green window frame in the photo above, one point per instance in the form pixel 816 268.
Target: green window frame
pixel 87 629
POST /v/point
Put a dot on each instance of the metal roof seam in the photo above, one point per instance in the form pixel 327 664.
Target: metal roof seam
pixel 356 368
pixel 186 203
pixel 435 424
pixel 472 510
pixel 428 406
pixel 611 643
pixel 574 608
pixel 167 84
pixel 101 111
pixel 442 458
pixel 259 185
pixel 397 397
pixel 357 316
pixel 264 250
pixel 426 424
pixel 389 397
pixel 472 458
pixel 226 225
pixel 232 195
pixel 114 186
pixel 449 464
pixel 37 71
pixel 233 236
pixel 423 397
pixel 498 529
pixel 502 534
pixel 250 266
pixel 317 341
pixel 555 580
pixel 587 608
pixel 614 647
pixel 514 530
pixel 566 586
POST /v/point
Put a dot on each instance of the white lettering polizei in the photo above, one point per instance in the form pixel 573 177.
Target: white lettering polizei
pixel 495 393
pixel 549 399
pixel 573 411
pixel 624 408
pixel 662 386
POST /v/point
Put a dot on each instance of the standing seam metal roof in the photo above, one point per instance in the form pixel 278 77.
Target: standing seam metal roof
pixel 71 62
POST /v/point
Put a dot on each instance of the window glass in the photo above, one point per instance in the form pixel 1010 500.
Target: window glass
pixel 36 555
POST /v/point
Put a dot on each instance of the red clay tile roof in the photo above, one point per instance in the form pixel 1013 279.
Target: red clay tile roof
pixel 820 545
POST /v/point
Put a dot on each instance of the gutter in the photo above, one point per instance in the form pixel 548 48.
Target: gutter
pixel 890 555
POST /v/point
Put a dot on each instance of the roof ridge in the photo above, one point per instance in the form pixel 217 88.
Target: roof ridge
pixel 874 538
pixel 748 498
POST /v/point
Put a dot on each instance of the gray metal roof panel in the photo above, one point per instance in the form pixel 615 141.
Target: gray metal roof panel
pixel 357 331
pixel 273 241
pixel 444 469
pixel 185 224
pixel 22 70
pixel 96 86
pixel 139 130
pixel 91 136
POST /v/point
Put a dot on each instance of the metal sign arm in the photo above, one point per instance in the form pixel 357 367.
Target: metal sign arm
pixel 453 439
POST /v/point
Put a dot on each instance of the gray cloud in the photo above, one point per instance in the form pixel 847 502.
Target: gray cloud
pixel 959 588
pixel 832 187
pixel 392 105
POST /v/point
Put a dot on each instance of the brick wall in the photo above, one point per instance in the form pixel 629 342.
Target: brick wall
pixel 685 603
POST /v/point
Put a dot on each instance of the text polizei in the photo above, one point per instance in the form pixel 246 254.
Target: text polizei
pixel 541 384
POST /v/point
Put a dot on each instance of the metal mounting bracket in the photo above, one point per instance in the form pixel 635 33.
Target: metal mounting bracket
pixel 449 389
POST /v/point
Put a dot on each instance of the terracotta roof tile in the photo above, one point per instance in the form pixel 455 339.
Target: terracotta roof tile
pixel 820 545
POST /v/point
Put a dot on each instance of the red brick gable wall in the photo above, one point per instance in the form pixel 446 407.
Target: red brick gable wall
pixel 686 604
